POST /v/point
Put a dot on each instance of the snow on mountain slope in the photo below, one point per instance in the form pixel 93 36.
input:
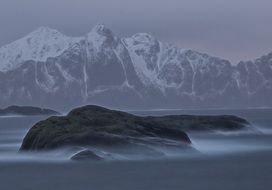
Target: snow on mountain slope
pixel 37 46
pixel 100 37
pixel 167 66
pixel 136 71
pixel 144 50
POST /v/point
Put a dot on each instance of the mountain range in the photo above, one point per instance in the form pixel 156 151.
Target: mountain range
pixel 48 69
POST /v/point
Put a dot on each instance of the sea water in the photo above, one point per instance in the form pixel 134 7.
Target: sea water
pixel 224 160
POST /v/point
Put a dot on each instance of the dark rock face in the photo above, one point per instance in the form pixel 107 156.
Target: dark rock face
pixel 26 110
pixel 98 126
pixel 86 155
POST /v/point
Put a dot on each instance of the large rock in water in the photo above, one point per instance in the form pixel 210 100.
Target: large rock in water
pixel 98 126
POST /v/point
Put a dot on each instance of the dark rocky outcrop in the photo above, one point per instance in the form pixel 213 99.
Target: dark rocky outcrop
pixel 98 126
pixel 26 110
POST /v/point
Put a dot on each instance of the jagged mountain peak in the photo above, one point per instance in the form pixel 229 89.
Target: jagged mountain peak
pixel 143 43
pixel 37 46
pixel 45 30
pixel 101 29
pixel 43 35
pixel 267 57
pixel 144 38
pixel 141 40
pixel 99 36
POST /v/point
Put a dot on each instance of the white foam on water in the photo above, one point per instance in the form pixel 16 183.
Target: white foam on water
pixel 231 144
pixel 265 130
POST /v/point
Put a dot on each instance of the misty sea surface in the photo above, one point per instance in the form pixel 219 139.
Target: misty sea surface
pixel 223 160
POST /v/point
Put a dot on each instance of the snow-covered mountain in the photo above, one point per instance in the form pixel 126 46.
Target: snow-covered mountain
pixel 37 46
pixel 47 68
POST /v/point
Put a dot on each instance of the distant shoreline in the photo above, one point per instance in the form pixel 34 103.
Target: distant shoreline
pixel 198 109
pixel 26 111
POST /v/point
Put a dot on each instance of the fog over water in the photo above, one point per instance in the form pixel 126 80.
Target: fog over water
pixel 13 129
pixel 237 160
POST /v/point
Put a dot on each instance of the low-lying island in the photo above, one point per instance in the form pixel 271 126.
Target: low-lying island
pixel 26 111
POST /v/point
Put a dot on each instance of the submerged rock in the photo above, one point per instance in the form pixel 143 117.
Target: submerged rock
pixel 90 126
pixel 86 155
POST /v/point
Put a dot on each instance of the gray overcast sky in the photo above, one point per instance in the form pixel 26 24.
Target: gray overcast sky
pixel 232 29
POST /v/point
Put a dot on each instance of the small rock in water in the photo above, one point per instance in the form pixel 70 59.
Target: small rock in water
pixel 86 155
